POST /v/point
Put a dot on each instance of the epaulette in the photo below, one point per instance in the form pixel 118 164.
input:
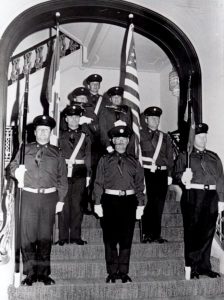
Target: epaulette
pixel 212 154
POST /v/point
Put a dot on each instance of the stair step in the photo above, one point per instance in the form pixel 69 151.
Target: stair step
pixel 155 267
pixel 96 251
pixel 140 288
pixel 95 235
pixel 168 219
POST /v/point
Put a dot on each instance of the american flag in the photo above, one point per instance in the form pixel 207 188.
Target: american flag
pixel 53 88
pixel 131 88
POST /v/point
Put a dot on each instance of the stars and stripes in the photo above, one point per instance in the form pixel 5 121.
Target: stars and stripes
pixel 131 87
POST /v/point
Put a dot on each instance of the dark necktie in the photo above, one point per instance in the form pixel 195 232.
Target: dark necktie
pixel 38 156
pixel 119 165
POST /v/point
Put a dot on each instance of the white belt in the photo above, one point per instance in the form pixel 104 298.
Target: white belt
pixel 41 190
pixel 76 162
pixel 205 187
pixel 119 192
pixel 154 167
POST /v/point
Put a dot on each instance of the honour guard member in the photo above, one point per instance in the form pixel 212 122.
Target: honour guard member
pixel 202 184
pixel 118 191
pixel 98 101
pixel 157 158
pixel 111 114
pixel 44 186
pixel 76 148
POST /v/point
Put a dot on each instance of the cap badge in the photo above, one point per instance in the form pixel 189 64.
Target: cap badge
pixel 121 130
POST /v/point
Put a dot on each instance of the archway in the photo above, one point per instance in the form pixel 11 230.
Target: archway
pixel 147 23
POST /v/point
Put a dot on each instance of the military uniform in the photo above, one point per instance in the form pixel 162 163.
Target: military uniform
pixel 119 188
pixel 199 205
pixel 45 183
pixel 111 114
pixel 72 214
pixel 156 176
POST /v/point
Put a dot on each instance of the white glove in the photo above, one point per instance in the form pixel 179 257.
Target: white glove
pixel 139 212
pixel 120 123
pixel 220 206
pixel 186 177
pixel 110 149
pixel 19 174
pixel 85 120
pixel 59 207
pixel 170 180
pixel 87 181
pixel 98 210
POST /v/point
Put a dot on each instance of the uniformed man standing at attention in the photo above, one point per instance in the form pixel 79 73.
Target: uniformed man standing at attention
pixel 44 186
pixel 76 148
pixel 202 184
pixel 98 101
pixel 118 191
pixel 157 157
pixel 112 113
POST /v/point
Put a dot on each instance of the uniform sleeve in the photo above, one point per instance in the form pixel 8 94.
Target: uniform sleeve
pixel 14 164
pixel 180 167
pixel 62 181
pixel 88 155
pixel 220 180
pixel 99 181
pixel 170 156
pixel 139 184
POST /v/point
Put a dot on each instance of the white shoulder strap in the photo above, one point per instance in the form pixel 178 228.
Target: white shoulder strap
pixel 71 160
pixel 158 147
pixel 96 110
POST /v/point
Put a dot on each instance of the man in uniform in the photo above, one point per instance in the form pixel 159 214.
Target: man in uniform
pixel 93 83
pixel 157 157
pixel 44 185
pixel 90 125
pixel 202 182
pixel 118 191
pixel 111 114
pixel 76 148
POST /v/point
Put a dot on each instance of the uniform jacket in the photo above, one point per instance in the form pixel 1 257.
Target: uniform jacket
pixel 45 168
pixel 206 167
pixel 129 176
pixel 68 141
pixel 148 142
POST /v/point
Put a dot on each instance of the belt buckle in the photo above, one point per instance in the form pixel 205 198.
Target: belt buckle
pixel 122 193
pixel 206 187
pixel 41 191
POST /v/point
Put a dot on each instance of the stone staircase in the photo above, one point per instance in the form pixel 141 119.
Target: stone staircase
pixel 157 270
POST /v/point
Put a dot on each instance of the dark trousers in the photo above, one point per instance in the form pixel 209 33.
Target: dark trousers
pixel 118 224
pixel 37 219
pixel 72 214
pixel 200 210
pixel 156 189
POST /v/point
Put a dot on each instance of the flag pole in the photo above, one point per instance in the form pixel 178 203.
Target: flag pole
pixel 189 118
pixel 18 201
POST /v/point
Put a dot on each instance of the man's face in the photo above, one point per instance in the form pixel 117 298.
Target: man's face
pixel 81 99
pixel 120 143
pixel 152 122
pixel 42 134
pixel 116 99
pixel 200 141
pixel 94 87
pixel 73 121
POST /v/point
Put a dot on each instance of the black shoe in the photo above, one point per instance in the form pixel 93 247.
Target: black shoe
pixel 29 280
pixel 62 242
pixel 147 239
pixel 111 278
pixel 194 274
pixel 87 212
pixel 210 273
pixel 160 240
pixel 47 280
pixel 78 242
pixel 125 278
